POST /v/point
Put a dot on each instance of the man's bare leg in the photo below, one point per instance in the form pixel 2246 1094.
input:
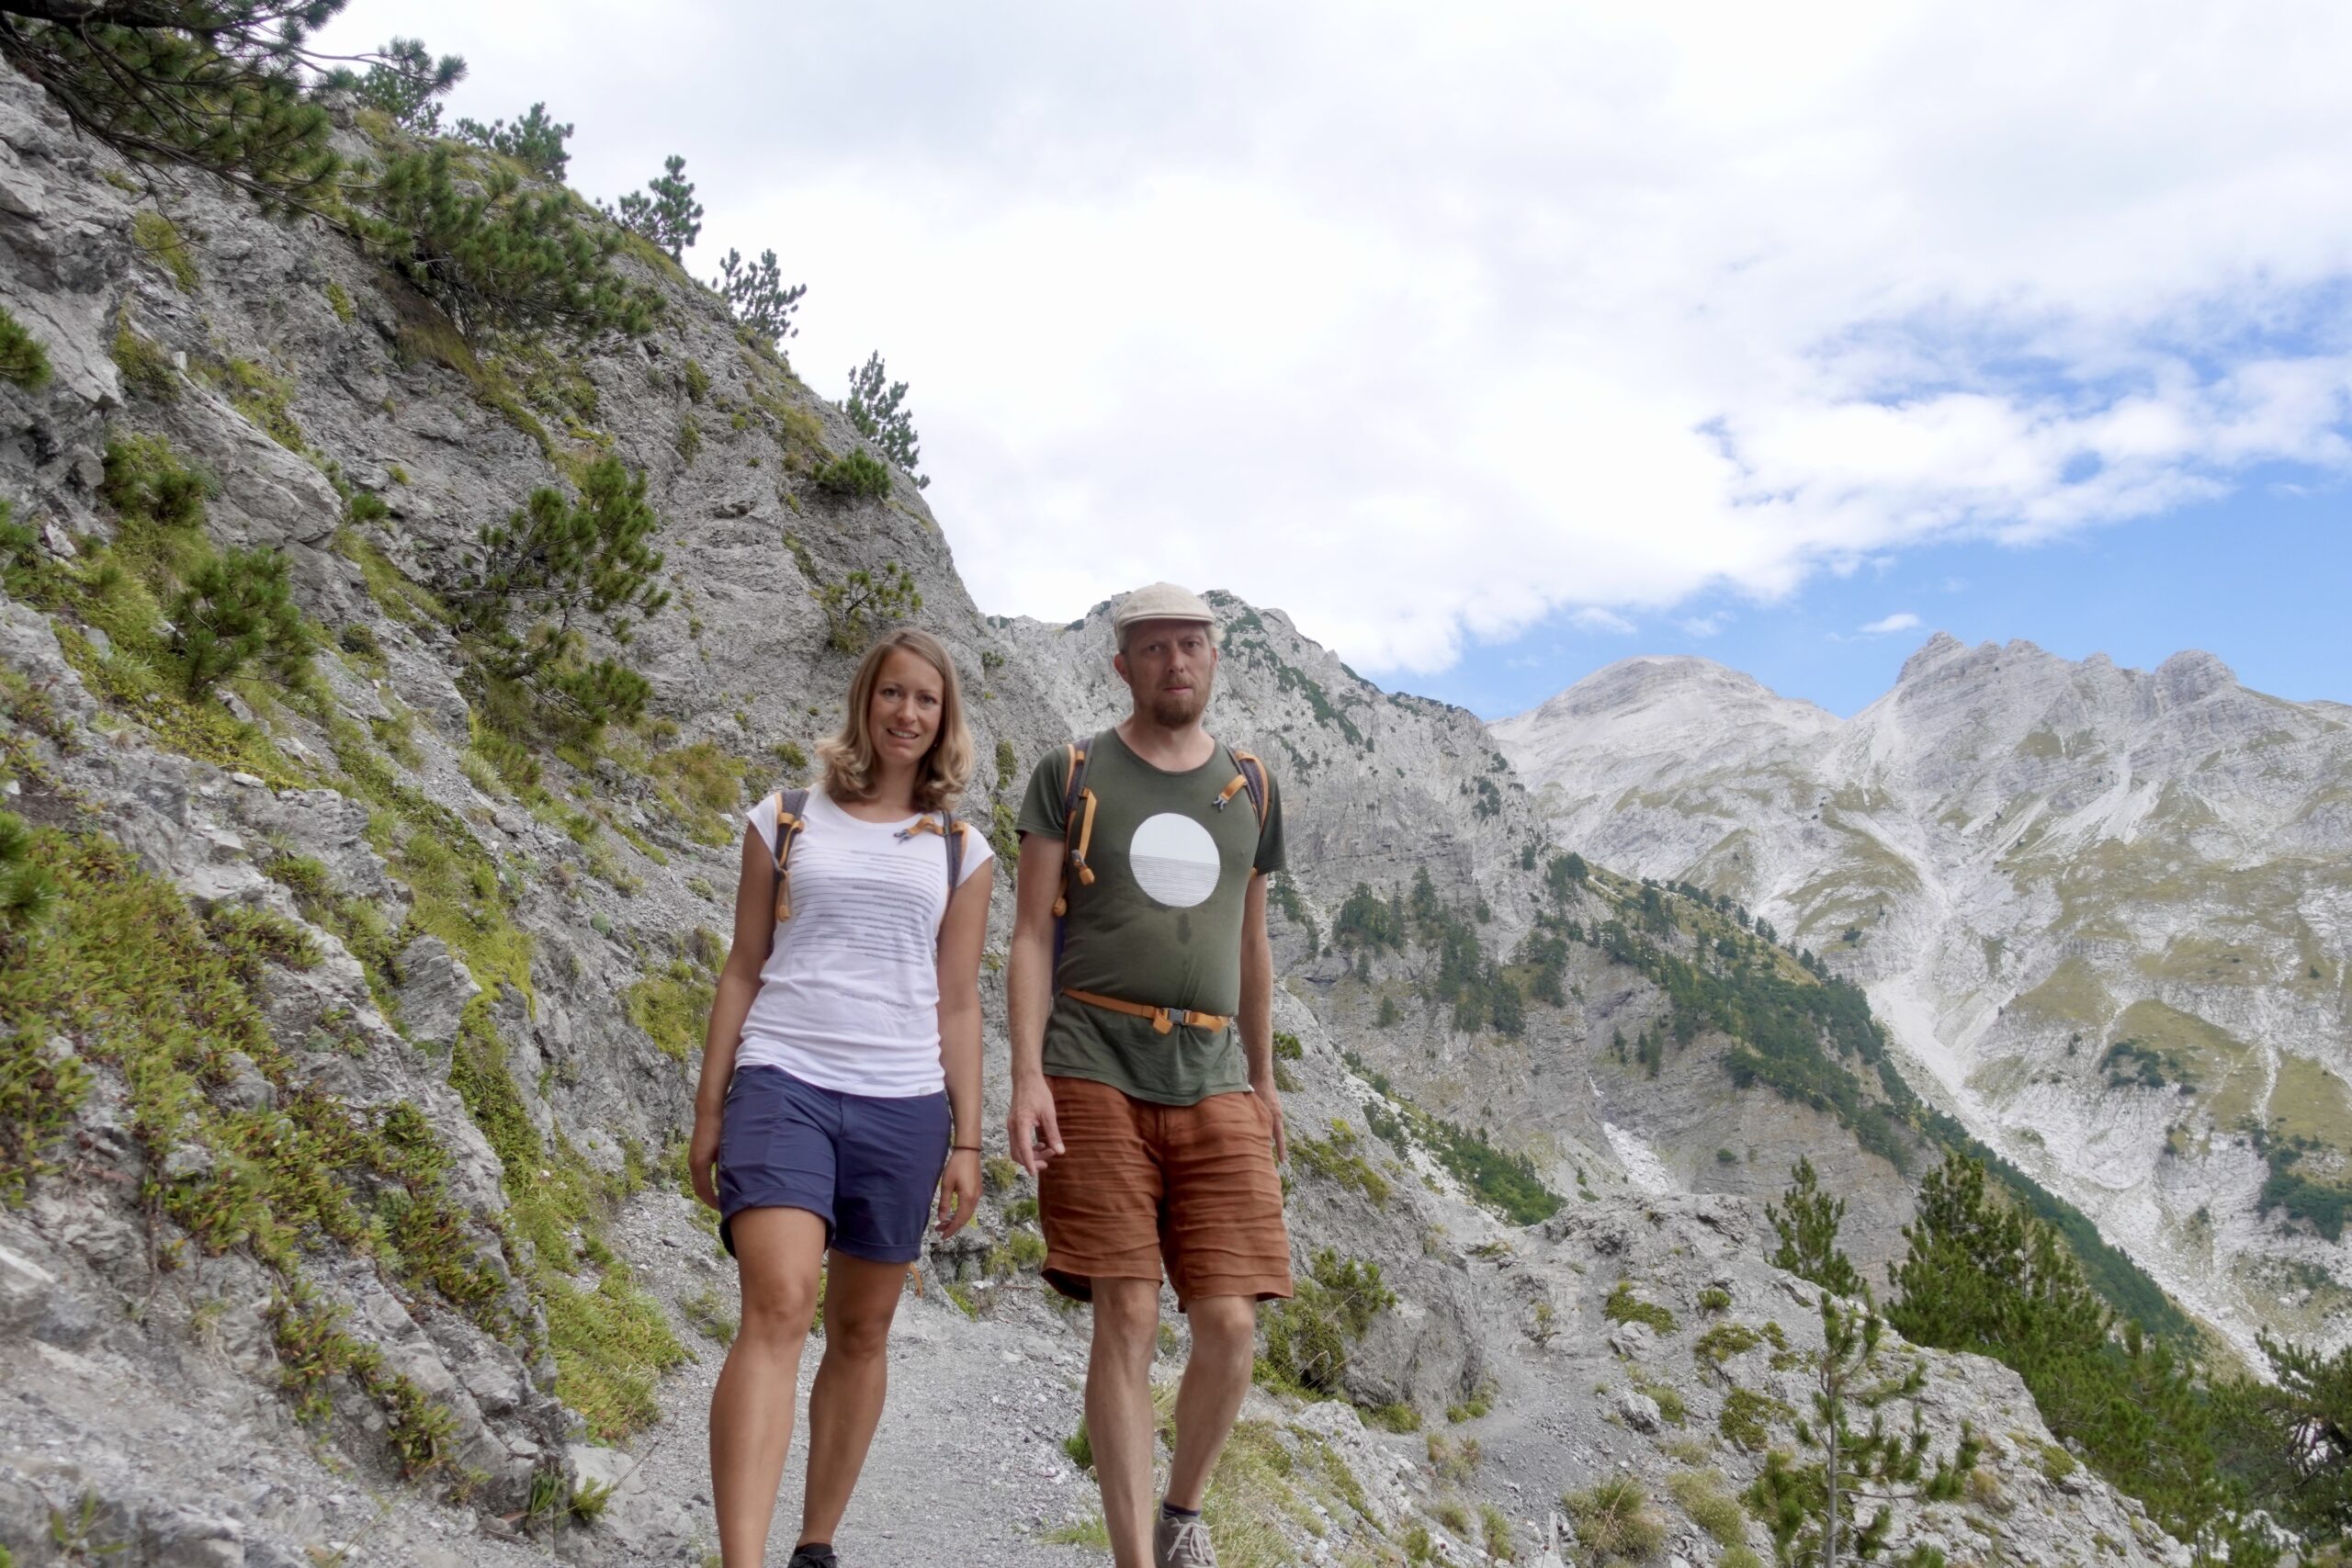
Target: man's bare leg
pixel 1118 1411
pixel 1225 1344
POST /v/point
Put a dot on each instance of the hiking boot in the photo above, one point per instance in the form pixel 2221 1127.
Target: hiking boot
pixel 816 1554
pixel 1181 1543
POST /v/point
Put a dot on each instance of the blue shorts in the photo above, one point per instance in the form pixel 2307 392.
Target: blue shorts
pixel 866 1165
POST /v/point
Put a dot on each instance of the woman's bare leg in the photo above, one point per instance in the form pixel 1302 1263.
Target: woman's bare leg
pixel 780 1252
pixel 846 1404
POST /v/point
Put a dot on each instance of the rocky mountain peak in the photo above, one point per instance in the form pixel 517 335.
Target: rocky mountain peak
pixel 2192 675
pixel 1932 652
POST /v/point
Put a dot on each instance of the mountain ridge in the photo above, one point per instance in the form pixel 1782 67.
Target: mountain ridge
pixel 2001 821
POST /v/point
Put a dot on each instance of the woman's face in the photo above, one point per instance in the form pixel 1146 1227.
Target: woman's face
pixel 904 714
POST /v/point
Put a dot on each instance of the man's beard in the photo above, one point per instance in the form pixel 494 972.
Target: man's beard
pixel 1175 710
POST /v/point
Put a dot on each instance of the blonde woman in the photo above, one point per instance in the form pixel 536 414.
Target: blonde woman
pixel 840 1081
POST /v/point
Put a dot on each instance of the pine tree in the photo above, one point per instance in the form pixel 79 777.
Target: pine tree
pixel 1808 1222
pixel 1814 1510
pixel 208 84
pixel 236 608
pixel 406 82
pixel 491 253
pixel 534 140
pixel 754 291
pixel 557 562
pixel 670 217
pixel 1982 1275
pixel 877 406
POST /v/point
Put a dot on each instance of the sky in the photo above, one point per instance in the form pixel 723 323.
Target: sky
pixel 1496 342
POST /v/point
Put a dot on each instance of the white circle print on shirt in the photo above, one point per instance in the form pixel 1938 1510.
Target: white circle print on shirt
pixel 1174 860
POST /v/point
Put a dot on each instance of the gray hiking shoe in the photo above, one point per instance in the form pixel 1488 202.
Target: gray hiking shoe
pixel 1181 1543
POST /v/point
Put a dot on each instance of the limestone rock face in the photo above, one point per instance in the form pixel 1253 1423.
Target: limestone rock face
pixel 2107 913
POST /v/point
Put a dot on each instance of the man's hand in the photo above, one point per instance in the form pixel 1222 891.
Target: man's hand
pixel 959 1192
pixel 1036 1136
pixel 702 1157
pixel 1270 1101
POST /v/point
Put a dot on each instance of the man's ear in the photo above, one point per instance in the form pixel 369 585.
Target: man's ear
pixel 1119 663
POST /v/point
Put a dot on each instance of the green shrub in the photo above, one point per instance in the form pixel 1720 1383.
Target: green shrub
pixel 491 253
pixel 160 238
pixel 853 476
pixel 1336 1159
pixel 22 359
pixel 236 608
pixel 1624 1306
pixel 1714 1298
pixel 536 141
pixel 145 366
pixel 1747 1417
pixel 1308 1337
pixel 1701 1495
pixel 856 603
pixel 1613 1521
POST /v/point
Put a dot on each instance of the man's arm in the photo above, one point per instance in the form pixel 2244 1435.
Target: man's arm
pixel 1256 1019
pixel 1029 998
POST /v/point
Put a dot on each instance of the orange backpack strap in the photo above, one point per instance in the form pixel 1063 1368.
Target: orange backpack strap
pixel 1078 824
pixel 791 817
pixel 1249 774
pixel 945 824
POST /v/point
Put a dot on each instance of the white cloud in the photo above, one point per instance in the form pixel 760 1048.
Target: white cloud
pixel 1593 618
pixel 1901 621
pixel 1709 625
pixel 1423 322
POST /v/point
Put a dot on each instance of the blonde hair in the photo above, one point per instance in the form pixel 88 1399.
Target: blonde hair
pixel 848 757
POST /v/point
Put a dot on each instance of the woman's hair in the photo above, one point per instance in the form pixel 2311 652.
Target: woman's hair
pixel 848 757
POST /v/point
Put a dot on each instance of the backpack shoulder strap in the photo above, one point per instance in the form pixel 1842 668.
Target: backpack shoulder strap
pixel 791 818
pixel 1249 775
pixel 1078 822
pixel 954 831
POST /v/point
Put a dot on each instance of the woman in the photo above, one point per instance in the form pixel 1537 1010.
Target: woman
pixel 840 1072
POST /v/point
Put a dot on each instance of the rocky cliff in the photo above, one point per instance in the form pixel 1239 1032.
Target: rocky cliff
pixel 345 1075
pixel 2105 913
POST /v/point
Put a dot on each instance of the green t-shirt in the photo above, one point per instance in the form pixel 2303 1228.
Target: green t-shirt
pixel 1161 922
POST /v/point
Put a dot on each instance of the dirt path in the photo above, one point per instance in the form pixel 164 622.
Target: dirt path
pixel 967 1472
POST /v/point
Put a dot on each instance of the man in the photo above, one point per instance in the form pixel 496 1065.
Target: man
pixel 1152 1132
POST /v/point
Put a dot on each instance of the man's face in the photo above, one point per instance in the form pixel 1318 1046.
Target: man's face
pixel 1169 665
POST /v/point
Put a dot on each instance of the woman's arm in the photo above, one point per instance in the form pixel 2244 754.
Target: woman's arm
pixel 738 986
pixel 961 934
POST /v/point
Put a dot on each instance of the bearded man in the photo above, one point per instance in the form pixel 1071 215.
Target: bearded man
pixel 1151 1124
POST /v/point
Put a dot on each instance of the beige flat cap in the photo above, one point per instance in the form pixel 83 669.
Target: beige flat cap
pixel 1159 601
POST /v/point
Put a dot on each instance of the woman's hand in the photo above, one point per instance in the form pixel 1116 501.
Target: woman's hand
pixel 702 1157
pixel 959 1192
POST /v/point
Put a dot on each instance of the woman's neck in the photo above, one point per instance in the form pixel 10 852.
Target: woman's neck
pixel 892 789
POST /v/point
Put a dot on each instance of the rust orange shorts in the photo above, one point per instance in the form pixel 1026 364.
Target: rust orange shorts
pixel 1137 1182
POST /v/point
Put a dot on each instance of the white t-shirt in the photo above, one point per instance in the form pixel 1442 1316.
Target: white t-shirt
pixel 849 997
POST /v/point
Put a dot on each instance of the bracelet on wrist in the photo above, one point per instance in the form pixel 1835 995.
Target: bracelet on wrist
pixel 964 1149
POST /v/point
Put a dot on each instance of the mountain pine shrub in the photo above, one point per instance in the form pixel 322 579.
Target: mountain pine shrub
pixel 23 360
pixel 1815 1509
pixel 1806 1220
pixel 535 140
pixel 493 254
pixel 853 476
pixel 855 605
pixel 212 84
pixel 877 405
pixel 237 607
pixel 665 212
pixel 755 293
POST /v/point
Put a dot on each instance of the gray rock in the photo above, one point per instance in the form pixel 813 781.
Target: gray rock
pixel 434 991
